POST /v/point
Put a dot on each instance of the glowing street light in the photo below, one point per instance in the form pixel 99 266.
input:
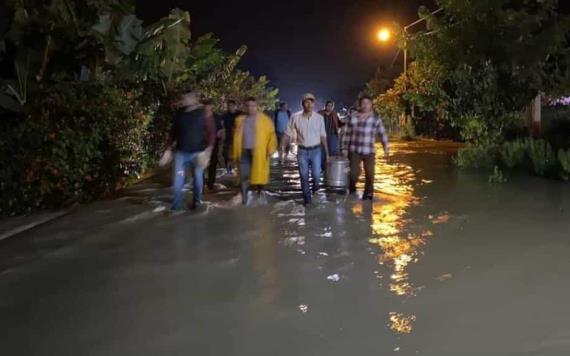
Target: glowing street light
pixel 384 35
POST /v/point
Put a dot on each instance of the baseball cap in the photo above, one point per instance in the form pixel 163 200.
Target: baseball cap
pixel 308 96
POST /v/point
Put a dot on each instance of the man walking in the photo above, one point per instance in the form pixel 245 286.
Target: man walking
pixel 282 117
pixel 228 121
pixel 193 136
pixel 214 159
pixel 332 125
pixel 253 145
pixel 308 129
pixel 359 145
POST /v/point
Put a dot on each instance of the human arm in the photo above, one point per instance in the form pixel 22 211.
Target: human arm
pixel 346 138
pixel 272 144
pixel 288 137
pixel 323 133
pixel 381 132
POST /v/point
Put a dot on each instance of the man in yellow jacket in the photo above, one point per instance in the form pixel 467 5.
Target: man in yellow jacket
pixel 254 144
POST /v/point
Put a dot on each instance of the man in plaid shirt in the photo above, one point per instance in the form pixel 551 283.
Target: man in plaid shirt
pixel 358 145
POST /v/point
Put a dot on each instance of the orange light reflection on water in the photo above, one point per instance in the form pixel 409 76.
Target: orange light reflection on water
pixel 394 185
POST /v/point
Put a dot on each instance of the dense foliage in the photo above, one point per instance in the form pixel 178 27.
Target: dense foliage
pixel 476 68
pixel 85 95
pixel 478 64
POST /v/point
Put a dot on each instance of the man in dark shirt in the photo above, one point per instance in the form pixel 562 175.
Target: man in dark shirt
pixel 213 167
pixel 193 133
pixel 228 121
pixel 332 124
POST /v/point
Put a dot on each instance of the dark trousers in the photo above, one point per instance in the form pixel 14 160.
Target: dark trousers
pixel 355 162
pixel 212 168
pixel 226 153
pixel 245 173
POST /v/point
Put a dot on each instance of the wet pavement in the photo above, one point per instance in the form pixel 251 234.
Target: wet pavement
pixel 441 263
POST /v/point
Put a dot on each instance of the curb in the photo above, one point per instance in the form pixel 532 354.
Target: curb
pixel 28 226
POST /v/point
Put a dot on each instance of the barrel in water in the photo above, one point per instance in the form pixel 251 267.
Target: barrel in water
pixel 338 169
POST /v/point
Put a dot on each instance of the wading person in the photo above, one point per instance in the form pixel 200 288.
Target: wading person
pixel 332 125
pixel 282 117
pixel 359 145
pixel 228 121
pixel 192 139
pixel 214 159
pixel 253 145
pixel 308 129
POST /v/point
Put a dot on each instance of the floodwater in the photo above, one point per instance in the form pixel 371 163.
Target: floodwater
pixel 441 263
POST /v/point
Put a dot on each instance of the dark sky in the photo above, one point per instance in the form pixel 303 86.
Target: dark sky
pixel 326 47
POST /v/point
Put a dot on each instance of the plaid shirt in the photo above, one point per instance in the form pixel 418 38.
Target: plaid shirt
pixel 360 135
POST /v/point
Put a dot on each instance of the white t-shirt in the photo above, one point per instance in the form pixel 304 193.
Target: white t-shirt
pixel 306 132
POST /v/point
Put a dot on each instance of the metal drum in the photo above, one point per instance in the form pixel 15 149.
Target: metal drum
pixel 338 169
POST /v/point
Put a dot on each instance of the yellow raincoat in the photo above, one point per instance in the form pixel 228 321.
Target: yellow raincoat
pixel 265 147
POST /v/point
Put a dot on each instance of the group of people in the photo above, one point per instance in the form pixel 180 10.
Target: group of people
pixel 249 140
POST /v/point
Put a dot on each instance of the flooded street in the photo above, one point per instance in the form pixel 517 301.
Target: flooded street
pixel 440 264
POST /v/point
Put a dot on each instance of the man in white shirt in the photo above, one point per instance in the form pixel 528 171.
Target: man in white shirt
pixel 307 128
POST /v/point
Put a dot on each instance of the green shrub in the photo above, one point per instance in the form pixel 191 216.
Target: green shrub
pixel 79 141
pixel 541 155
pixel 513 153
pixel 564 159
pixel 408 131
pixel 476 156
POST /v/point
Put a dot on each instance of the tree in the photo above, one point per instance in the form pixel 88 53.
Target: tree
pixel 491 57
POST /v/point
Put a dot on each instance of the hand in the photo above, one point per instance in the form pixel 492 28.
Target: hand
pixel 345 154
pixel 166 158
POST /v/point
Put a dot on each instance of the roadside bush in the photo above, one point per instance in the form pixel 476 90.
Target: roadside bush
pixel 513 153
pixel 408 131
pixel 541 155
pixel 477 156
pixel 78 141
pixel 564 159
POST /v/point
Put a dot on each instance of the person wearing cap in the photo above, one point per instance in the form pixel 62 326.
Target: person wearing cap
pixel 307 129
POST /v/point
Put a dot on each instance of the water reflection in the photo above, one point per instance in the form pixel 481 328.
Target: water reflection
pixel 395 186
pixel 401 323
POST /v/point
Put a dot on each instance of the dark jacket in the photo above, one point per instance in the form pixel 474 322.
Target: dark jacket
pixel 193 131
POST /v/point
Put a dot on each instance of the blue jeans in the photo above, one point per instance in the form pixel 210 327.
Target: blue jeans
pixel 245 173
pixel 334 150
pixel 310 158
pixel 181 162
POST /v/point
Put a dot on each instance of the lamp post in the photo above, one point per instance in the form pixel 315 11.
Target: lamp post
pixel 384 35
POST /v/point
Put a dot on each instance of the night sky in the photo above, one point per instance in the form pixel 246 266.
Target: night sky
pixel 325 47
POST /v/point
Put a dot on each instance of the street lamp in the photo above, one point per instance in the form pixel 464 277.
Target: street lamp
pixel 384 35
